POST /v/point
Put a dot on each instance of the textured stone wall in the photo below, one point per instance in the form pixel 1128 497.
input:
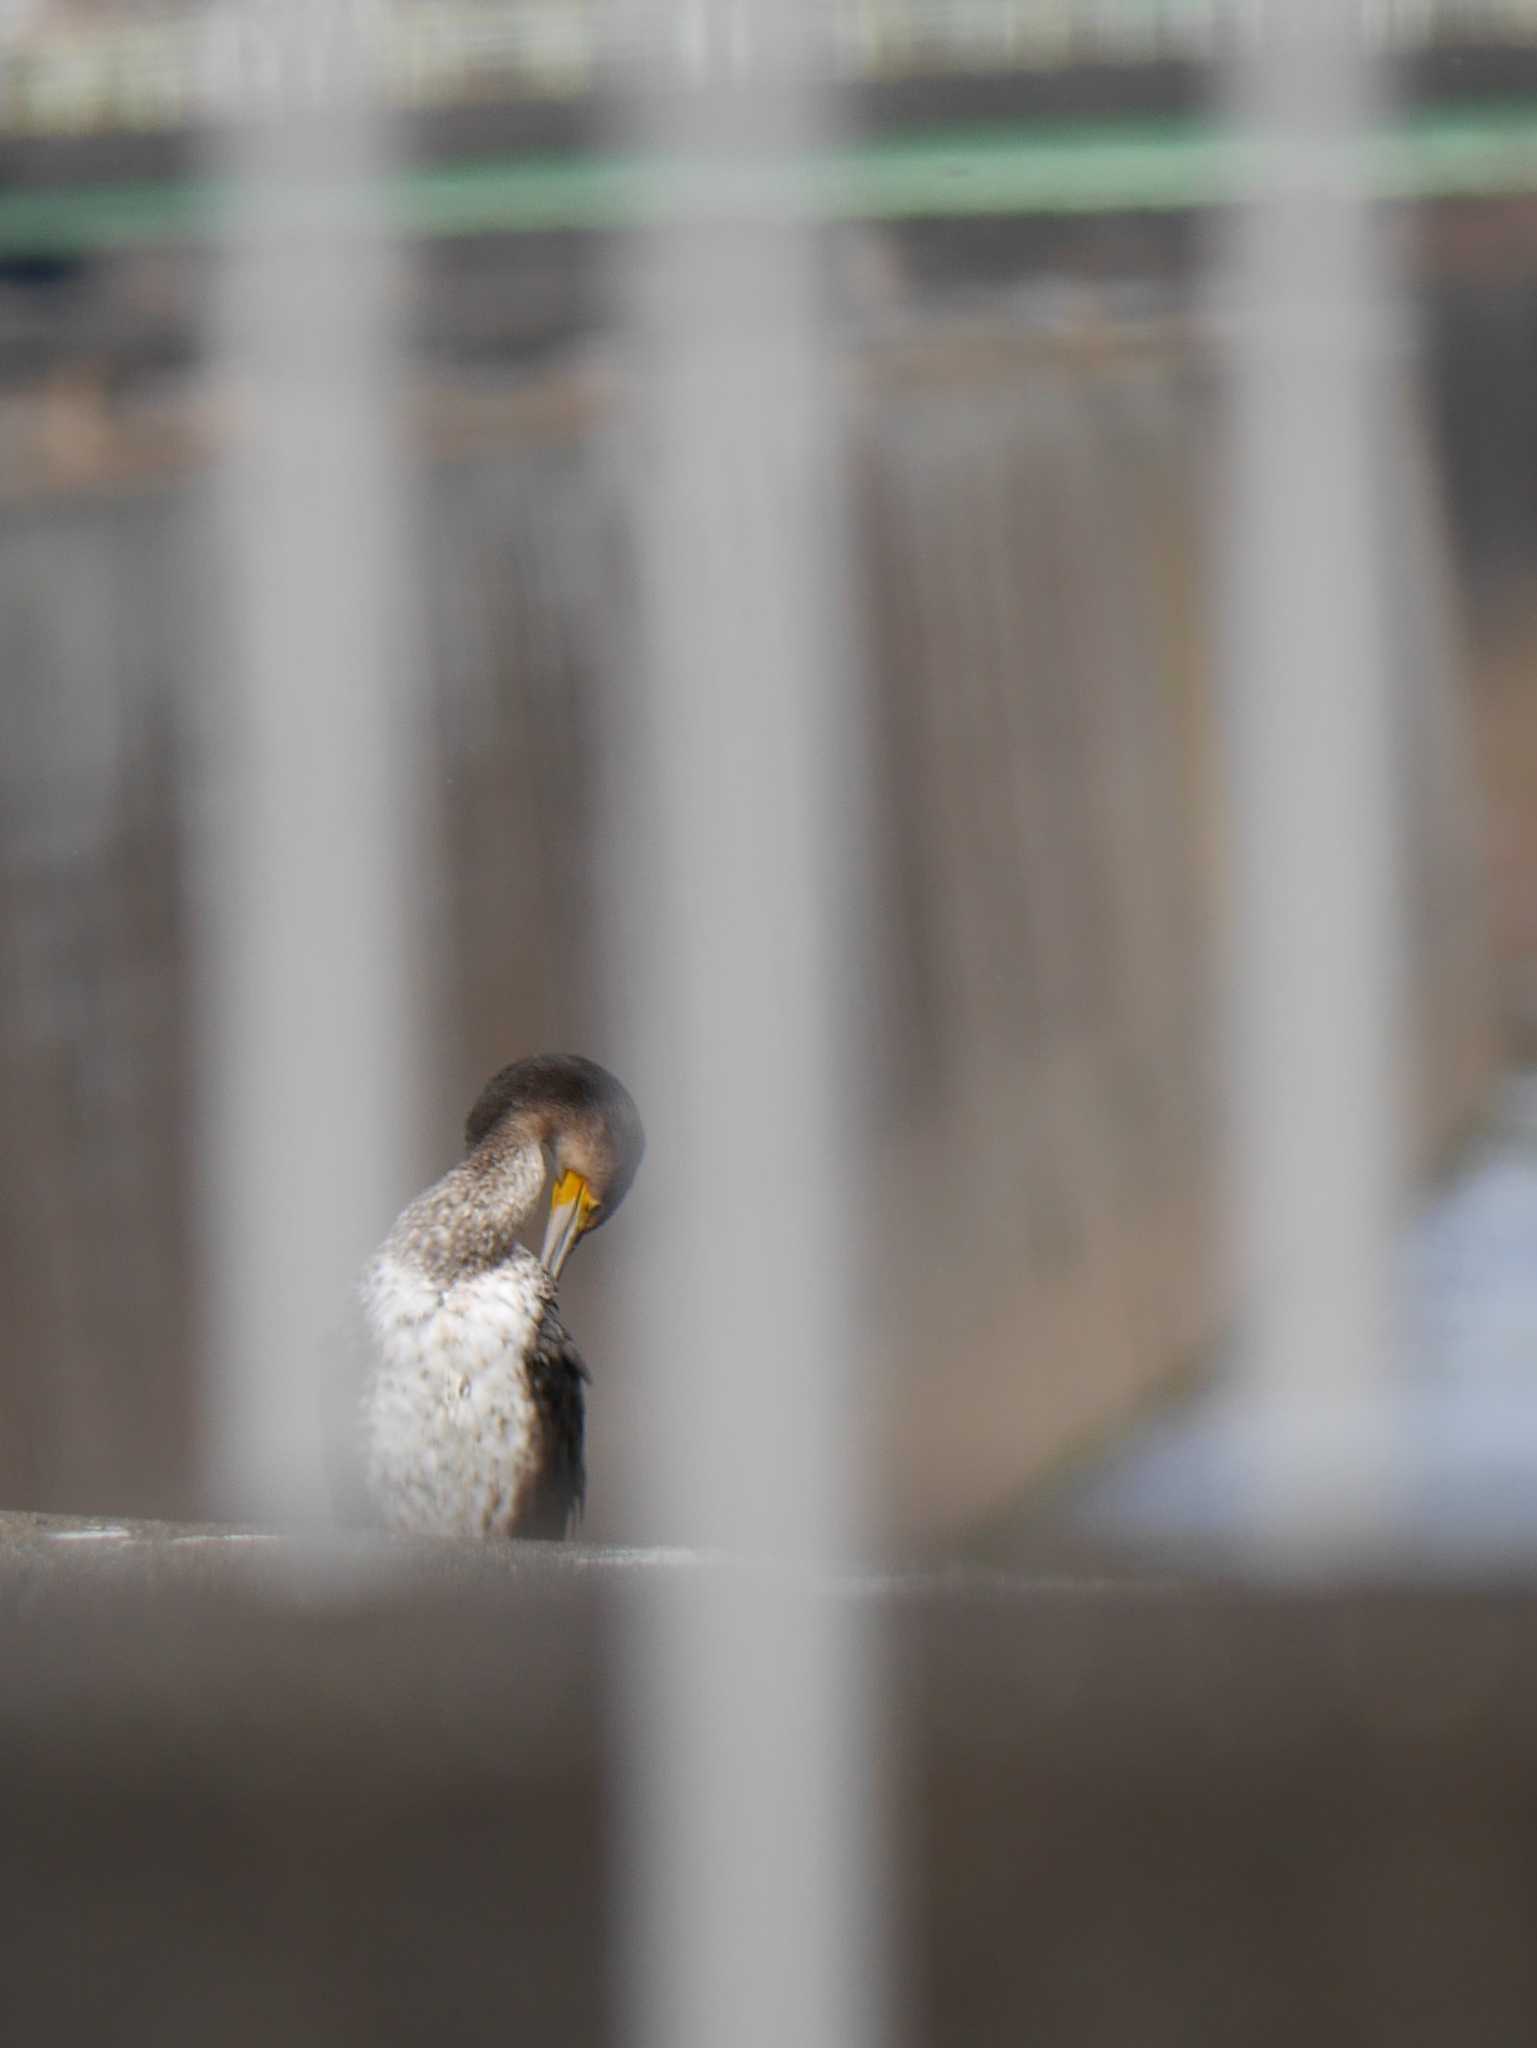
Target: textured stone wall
pixel 1036 1025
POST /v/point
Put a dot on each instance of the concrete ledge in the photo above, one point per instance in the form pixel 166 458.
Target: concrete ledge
pixel 381 1810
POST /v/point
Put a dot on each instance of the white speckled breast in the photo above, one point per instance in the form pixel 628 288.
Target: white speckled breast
pixel 451 1431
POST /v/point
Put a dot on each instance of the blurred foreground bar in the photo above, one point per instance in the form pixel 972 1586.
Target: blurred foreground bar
pixel 1316 934
pixel 1149 1813
pixel 751 1897
pixel 311 862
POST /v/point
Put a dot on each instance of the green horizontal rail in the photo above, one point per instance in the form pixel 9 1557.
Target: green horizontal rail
pixel 1036 169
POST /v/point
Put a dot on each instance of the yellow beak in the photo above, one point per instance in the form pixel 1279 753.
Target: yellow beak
pixel 572 1203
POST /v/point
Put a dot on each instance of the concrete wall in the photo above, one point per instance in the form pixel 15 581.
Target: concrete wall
pixel 1037 1014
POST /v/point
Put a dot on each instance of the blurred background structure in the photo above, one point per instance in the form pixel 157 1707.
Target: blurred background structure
pixel 1023 332
pixel 1018 228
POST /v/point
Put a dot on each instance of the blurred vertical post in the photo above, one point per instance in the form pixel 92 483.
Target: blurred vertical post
pixel 1316 922
pixel 752 1762
pixel 312 859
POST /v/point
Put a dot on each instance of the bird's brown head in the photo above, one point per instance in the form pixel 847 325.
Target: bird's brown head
pixel 588 1126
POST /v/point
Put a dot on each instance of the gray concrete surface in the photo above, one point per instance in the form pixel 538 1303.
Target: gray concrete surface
pixel 376 1803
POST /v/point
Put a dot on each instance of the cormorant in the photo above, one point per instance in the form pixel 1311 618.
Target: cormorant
pixel 475 1412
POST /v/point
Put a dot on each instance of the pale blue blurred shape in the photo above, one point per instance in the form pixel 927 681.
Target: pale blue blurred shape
pixel 1462 1406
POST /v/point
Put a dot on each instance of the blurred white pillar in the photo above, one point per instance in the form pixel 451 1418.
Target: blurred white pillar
pixel 1316 921
pixel 311 862
pixel 754 1906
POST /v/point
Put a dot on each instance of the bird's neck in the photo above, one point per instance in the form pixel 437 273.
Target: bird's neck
pixel 468 1221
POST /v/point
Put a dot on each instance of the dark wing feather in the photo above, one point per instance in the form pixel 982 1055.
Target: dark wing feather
pixel 556 1376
